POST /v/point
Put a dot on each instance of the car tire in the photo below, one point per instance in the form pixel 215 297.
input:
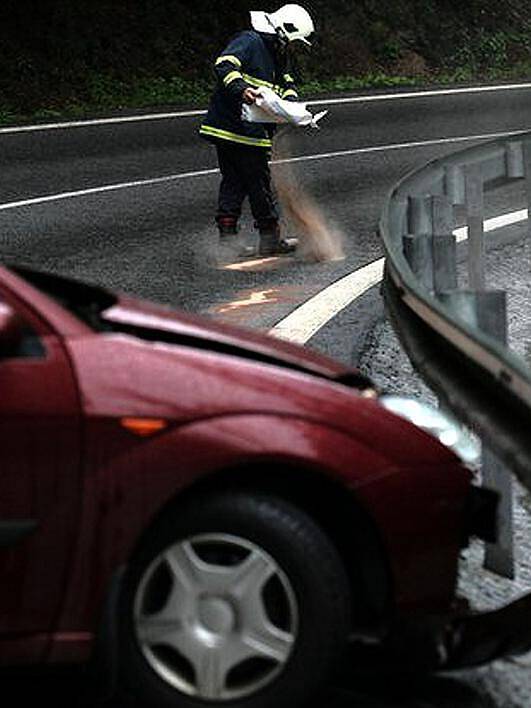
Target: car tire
pixel 239 601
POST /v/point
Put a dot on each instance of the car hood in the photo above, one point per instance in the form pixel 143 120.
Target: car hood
pixel 154 322
pixel 103 310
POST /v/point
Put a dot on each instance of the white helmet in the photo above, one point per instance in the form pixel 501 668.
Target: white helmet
pixel 290 22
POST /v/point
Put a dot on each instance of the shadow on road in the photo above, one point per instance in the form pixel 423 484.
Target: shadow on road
pixel 432 692
pixel 68 689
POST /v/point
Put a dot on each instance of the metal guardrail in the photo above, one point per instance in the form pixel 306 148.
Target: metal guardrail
pixel 454 335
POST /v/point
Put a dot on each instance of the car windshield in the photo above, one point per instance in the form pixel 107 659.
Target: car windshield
pixel 86 302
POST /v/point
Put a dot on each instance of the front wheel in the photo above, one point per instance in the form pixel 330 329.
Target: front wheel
pixel 238 600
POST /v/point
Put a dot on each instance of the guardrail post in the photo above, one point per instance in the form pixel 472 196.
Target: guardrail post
pixel 429 246
pixel 474 216
pixel 499 556
pixel 487 311
pixel 526 149
pixel 444 245
pixel 418 252
pixel 418 242
pixel 398 216
pixel 454 184
pixel 419 219
pixel 514 160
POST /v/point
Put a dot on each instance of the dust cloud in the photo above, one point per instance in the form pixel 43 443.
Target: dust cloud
pixel 319 239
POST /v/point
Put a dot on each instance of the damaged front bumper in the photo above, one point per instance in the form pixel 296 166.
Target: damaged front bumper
pixel 482 637
pixel 445 643
pixel 460 638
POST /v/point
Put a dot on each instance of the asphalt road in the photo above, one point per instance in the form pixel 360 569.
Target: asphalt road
pixel 156 239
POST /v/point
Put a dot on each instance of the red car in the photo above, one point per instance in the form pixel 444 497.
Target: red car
pixel 213 511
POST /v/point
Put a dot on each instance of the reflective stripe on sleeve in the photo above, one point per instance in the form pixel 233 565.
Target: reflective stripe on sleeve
pixel 231 76
pixel 290 92
pixel 258 82
pixel 229 57
pixel 253 81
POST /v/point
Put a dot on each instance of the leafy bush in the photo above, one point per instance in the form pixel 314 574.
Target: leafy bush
pixel 75 56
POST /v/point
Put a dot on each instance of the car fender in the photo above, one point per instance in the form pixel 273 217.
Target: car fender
pixel 129 486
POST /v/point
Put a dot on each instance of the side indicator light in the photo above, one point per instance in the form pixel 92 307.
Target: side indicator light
pixel 143 427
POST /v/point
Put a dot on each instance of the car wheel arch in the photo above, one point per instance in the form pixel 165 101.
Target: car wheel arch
pixel 332 505
pixel 170 577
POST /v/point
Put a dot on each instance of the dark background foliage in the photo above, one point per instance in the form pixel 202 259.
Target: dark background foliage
pixel 57 51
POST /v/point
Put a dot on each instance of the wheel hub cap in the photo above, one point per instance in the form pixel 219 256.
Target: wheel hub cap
pixel 216 617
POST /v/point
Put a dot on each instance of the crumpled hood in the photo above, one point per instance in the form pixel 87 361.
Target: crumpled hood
pixel 158 323
pixel 106 311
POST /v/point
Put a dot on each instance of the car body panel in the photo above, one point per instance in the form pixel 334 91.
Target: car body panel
pixel 40 443
pixel 122 375
pixel 127 486
pixel 142 315
pixel 226 400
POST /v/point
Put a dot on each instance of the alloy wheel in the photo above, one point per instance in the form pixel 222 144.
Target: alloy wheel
pixel 216 617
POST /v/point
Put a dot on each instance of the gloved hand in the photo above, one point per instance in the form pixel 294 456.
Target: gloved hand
pixel 250 95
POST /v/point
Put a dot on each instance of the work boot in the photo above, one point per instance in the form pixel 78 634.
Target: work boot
pixel 227 225
pixel 229 242
pixel 271 244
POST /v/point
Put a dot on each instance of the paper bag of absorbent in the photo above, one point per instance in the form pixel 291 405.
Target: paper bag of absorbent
pixel 270 108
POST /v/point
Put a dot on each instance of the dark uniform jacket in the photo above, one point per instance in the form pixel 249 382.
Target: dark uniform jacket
pixel 249 60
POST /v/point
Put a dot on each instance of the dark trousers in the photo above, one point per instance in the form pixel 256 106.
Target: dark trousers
pixel 245 173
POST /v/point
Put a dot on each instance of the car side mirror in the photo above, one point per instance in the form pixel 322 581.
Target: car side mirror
pixel 12 329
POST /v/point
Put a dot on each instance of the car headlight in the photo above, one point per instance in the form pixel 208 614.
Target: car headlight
pixel 442 426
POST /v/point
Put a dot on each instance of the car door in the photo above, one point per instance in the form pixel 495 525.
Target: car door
pixel 39 477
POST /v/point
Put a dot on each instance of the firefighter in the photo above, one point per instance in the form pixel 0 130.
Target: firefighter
pixel 253 58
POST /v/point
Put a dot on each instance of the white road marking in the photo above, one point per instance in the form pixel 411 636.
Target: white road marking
pixel 397 96
pixel 105 188
pixel 496 222
pixel 201 173
pixel 67 125
pixel 307 319
pixel 420 94
pixel 403 146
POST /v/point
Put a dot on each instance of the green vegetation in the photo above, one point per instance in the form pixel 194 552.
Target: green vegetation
pixel 64 59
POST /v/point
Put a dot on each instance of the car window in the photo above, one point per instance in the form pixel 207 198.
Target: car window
pixel 18 339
